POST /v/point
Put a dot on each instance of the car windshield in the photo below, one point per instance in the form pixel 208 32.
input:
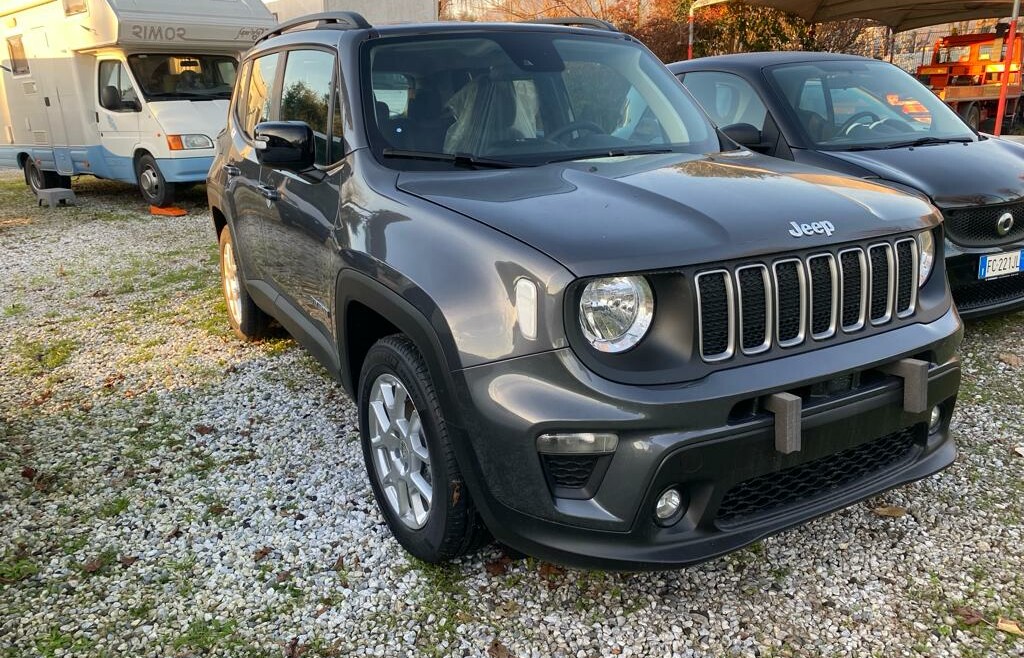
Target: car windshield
pixel 524 99
pixel 179 77
pixel 861 105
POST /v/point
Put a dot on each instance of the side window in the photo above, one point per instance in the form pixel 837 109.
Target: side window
pixel 241 86
pixel 258 101
pixel 812 98
pixel 116 91
pixel 16 50
pixel 727 98
pixel 306 94
pixel 338 128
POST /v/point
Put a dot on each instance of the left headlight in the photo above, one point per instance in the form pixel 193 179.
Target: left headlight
pixel 926 261
pixel 616 312
pixel 189 142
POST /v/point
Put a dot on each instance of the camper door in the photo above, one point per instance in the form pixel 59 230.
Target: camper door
pixel 118 110
pixel 47 66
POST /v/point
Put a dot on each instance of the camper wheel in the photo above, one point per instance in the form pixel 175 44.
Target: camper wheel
pixel 154 187
pixel 37 179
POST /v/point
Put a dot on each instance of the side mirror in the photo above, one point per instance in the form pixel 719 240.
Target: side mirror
pixel 744 134
pixel 110 98
pixel 285 145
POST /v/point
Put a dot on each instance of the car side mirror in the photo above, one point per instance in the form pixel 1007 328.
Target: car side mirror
pixel 110 98
pixel 285 145
pixel 744 134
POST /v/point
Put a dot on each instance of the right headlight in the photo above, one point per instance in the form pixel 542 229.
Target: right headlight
pixel 926 260
pixel 616 312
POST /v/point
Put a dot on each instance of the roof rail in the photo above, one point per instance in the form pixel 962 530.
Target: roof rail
pixel 577 21
pixel 335 20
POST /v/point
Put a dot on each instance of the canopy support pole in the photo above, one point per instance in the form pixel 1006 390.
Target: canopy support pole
pixel 689 48
pixel 1011 42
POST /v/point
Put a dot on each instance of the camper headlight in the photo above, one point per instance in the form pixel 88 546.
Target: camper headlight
pixel 189 142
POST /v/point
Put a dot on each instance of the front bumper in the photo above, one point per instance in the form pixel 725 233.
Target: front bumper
pixel 975 297
pixel 705 438
pixel 185 170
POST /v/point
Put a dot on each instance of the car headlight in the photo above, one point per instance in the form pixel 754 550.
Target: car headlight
pixel 615 313
pixel 926 260
pixel 189 142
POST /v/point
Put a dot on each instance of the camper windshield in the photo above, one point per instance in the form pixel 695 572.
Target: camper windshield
pixel 192 77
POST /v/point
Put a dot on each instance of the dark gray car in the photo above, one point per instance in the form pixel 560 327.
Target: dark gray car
pixel 573 315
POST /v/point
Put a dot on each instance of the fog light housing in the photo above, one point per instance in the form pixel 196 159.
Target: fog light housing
pixel 935 421
pixel 577 443
pixel 669 507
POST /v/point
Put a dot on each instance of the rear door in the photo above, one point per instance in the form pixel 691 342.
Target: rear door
pixel 43 66
pixel 300 226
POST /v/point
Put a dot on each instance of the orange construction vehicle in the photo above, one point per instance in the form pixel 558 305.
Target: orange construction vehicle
pixel 966 72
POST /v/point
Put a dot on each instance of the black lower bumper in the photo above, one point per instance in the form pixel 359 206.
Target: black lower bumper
pixel 710 439
pixel 975 297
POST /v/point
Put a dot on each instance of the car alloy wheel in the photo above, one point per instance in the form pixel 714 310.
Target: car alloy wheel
pixel 232 286
pixel 400 456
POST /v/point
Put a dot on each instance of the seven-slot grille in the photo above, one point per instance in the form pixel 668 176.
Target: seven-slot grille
pixel 785 302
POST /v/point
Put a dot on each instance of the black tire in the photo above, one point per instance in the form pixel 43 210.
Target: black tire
pixel 152 185
pixel 453 526
pixel 972 116
pixel 247 320
pixel 37 179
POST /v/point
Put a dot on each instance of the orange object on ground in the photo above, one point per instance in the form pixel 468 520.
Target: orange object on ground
pixel 167 212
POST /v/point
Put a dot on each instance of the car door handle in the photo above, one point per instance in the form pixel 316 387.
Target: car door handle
pixel 232 171
pixel 269 193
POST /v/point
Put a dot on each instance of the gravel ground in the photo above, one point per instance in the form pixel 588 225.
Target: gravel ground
pixel 166 490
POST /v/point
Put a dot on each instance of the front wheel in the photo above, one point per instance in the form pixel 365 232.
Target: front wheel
pixel 409 457
pixel 247 320
pixel 154 187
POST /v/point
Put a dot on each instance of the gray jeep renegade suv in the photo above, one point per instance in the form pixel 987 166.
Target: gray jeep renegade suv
pixel 573 315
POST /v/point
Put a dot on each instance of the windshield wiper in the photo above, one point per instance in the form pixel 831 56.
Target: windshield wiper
pixel 610 153
pixel 921 141
pixel 183 95
pixel 458 159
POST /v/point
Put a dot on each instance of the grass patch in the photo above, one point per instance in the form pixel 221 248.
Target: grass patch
pixel 59 643
pixel 112 508
pixel 13 571
pixel 206 635
pixel 38 357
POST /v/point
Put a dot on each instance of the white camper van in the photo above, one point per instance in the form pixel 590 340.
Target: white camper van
pixel 128 90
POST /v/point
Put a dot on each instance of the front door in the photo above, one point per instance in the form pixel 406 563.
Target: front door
pixel 301 230
pixel 118 107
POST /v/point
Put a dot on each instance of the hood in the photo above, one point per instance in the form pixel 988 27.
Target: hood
pixel 191 117
pixel 952 175
pixel 659 212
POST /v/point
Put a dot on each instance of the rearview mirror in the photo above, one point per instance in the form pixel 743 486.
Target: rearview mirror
pixel 285 145
pixel 743 134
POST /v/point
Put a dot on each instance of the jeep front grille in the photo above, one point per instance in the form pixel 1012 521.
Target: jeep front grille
pixel 784 302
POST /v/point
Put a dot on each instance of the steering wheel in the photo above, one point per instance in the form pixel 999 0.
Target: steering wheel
pixel 853 121
pixel 573 126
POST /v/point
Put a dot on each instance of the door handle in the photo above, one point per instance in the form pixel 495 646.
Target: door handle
pixel 232 171
pixel 269 193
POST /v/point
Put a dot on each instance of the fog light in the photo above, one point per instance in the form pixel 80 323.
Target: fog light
pixel 936 419
pixel 668 505
pixel 581 443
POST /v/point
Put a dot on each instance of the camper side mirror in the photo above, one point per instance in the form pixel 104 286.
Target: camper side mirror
pixel 744 134
pixel 285 145
pixel 111 99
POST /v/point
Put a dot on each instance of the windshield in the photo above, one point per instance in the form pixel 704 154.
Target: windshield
pixel 524 98
pixel 179 77
pixel 855 105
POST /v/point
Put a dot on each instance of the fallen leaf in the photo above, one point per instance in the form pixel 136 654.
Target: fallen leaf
pixel 173 534
pixel 1019 450
pixel 499 650
pixel 203 430
pixel 283 576
pixel 100 293
pixel 93 565
pixel 616 651
pixel 128 560
pixel 28 473
pixel 890 511
pixel 497 567
pixel 456 493
pixel 295 650
pixel 339 564
pixel 216 509
pixel 1011 359
pixel 969 616
pixel 1009 626
pixel 261 553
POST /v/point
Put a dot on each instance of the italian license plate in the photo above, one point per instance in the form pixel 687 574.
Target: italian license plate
pixel 994 265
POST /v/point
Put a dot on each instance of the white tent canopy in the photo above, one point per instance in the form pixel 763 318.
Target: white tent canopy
pixel 900 15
